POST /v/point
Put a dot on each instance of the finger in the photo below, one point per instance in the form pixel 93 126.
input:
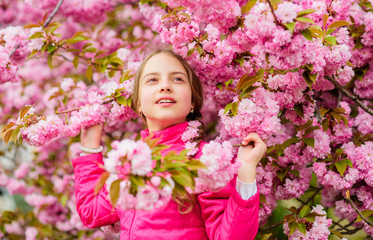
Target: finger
pixel 252 137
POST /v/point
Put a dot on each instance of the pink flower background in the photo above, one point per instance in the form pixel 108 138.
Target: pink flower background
pixel 222 43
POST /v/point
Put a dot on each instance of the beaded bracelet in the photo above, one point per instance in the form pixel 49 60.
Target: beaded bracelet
pixel 91 150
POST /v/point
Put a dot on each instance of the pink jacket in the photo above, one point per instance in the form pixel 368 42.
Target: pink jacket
pixel 217 215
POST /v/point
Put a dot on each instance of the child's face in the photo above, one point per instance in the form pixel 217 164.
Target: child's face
pixel 165 92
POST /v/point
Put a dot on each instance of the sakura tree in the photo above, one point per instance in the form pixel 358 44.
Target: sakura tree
pixel 295 72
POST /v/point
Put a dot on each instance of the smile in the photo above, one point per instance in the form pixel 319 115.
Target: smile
pixel 165 100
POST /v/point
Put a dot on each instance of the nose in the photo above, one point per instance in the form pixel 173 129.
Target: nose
pixel 165 86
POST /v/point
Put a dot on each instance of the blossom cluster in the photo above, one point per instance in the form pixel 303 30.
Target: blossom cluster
pixel 129 159
pixel 220 167
pixel 258 115
pixel 319 228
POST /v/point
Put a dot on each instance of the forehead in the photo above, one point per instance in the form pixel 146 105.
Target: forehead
pixel 163 63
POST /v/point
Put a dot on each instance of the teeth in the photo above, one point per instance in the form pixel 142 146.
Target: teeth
pixel 166 101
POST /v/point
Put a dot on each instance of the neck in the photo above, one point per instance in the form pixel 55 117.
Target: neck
pixel 160 125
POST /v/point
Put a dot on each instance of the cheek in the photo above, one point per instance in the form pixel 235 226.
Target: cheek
pixel 187 95
pixel 145 96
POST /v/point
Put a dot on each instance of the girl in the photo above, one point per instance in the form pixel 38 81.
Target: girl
pixel 167 94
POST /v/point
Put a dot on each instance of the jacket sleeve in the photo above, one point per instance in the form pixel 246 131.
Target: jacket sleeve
pixel 228 216
pixel 94 211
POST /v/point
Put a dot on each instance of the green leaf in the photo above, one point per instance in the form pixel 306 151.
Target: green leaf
pixel 227 108
pixel 195 164
pixel 325 18
pixel 325 124
pixel 306 12
pixel 78 39
pixel 302 228
pixel 240 60
pixel 101 182
pixel 323 111
pixel 293 210
pixel 24 110
pixel 50 60
pixel 336 116
pixel 306 125
pixel 90 49
pixel 341 167
pixel 51 48
pixel 330 31
pixel 281 174
pixel 366 213
pixel 292 227
pixel 200 50
pixel 182 179
pixel 310 129
pixel 63 200
pixel 89 72
pixel 331 40
pixel 345 120
pixel 7 136
pixel 114 192
pixel 338 234
pixel 15 134
pixel 246 8
pixel 190 51
pixel 290 26
pixel 31 25
pixel 36 35
pixel 266 236
pixel 227 83
pixel 307 34
pixel 304 211
pixel 76 61
pixel 247 81
pixel 309 78
pixel 234 108
pixel 185 15
pixel 305 20
pixel 298 108
pixel 121 100
pixel 338 24
pixel 175 165
pixel 295 172
pixel 288 142
pixel 348 162
pixel 262 198
pixel 137 180
pixel 309 142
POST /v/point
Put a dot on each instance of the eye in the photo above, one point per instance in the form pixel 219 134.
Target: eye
pixel 151 80
pixel 178 79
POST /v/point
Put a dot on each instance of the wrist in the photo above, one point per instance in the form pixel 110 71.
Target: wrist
pixel 93 145
pixel 91 150
pixel 247 172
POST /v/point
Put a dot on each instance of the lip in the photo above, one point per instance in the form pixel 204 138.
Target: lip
pixel 165 98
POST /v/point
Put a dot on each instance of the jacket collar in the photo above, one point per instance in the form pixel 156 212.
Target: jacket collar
pixel 170 135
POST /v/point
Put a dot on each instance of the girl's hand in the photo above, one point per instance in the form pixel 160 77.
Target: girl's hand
pixel 91 136
pixel 249 157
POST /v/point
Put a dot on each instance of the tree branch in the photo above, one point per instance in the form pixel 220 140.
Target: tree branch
pixel 67 111
pixel 349 95
pixel 356 209
pixel 271 227
pixel 14 50
pixel 53 13
pixel 274 15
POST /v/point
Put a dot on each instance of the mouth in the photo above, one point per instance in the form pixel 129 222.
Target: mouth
pixel 165 101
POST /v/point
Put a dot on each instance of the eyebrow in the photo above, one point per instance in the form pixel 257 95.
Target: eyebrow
pixel 172 73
